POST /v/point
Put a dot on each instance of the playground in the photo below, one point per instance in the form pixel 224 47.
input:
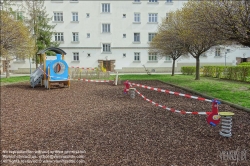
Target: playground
pixel 115 129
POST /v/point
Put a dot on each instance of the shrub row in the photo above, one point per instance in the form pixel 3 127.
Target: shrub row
pixel 239 73
pixel 189 70
pixel 244 64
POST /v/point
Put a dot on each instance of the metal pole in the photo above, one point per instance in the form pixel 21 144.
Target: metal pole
pixel 30 66
pixel 225 58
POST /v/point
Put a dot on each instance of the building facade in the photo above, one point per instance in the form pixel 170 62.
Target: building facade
pixel 116 34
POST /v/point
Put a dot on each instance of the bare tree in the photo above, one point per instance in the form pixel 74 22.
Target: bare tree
pixel 230 19
pixel 167 43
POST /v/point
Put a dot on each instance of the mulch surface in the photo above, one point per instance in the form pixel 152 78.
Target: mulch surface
pixel 114 129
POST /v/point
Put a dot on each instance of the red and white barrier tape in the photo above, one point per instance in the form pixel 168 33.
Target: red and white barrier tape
pixel 171 92
pixel 171 109
pixel 87 68
pixel 87 80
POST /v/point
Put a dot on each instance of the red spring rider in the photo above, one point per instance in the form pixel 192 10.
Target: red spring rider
pixel 127 86
pixel 214 118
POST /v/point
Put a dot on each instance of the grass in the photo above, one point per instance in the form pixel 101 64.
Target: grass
pixel 231 91
pixel 15 79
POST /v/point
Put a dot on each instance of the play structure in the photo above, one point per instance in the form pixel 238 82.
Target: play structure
pixel 213 118
pixel 51 72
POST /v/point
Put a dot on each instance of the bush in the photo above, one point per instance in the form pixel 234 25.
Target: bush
pixel 244 64
pixel 240 73
pixel 189 70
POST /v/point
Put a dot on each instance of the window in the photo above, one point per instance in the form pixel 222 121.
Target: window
pixel 167 14
pixel 152 57
pixel 217 52
pixel 76 56
pixel 124 15
pixel 137 17
pixel 151 36
pixel 137 56
pixel 137 0
pixel 124 55
pixel 203 54
pixel 87 14
pixel 152 17
pixel 20 58
pixel 75 36
pixel 152 0
pixel 19 15
pixel 168 58
pixel 59 36
pixel 169 1
pixel 136 37
pixel 74 0
pixel 74 16
pixel 106 48
pixel 124 35
pixel 106 28
pixel 58 16
pixel 88 35
pixel 106 8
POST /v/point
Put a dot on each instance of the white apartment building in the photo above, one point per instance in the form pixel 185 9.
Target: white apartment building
pixel 117 34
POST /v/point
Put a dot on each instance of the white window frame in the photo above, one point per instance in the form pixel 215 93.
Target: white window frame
pixel 18 59
pixel 59 36
pixel 106 28
pixel 76 56
pixel 75 36
pixel 137 37
pixel 58 16
pixel 153 1
pixel 75 16
pixel 105 7
pixel 153 17
pixel 19 14
pixel 106 47
pixel 137 56
pixel 168 58
pixel 151 36
pixel 152 57
pixel 137 17
pixel 217 52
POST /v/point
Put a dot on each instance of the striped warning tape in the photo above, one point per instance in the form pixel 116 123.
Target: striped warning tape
pixel 171 109
pixel 87 68
pixel 171 92
pixel 87 80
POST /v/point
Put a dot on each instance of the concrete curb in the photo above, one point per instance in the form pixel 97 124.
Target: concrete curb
pixel 209 97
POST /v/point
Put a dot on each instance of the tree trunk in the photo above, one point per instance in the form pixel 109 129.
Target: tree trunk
pixel 197 73
pixel 7 68
pixel 173 66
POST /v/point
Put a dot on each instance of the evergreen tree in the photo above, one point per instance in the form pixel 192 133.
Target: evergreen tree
pixel 38 22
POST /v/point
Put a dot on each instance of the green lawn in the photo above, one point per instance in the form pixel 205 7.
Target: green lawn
pixel 232 91
pixel 15 79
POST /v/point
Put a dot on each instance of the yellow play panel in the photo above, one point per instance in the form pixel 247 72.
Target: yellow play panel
pixel 226 113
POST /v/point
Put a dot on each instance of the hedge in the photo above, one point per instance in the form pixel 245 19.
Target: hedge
pixel 244 64
pixel 189 70
pixel 239 73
